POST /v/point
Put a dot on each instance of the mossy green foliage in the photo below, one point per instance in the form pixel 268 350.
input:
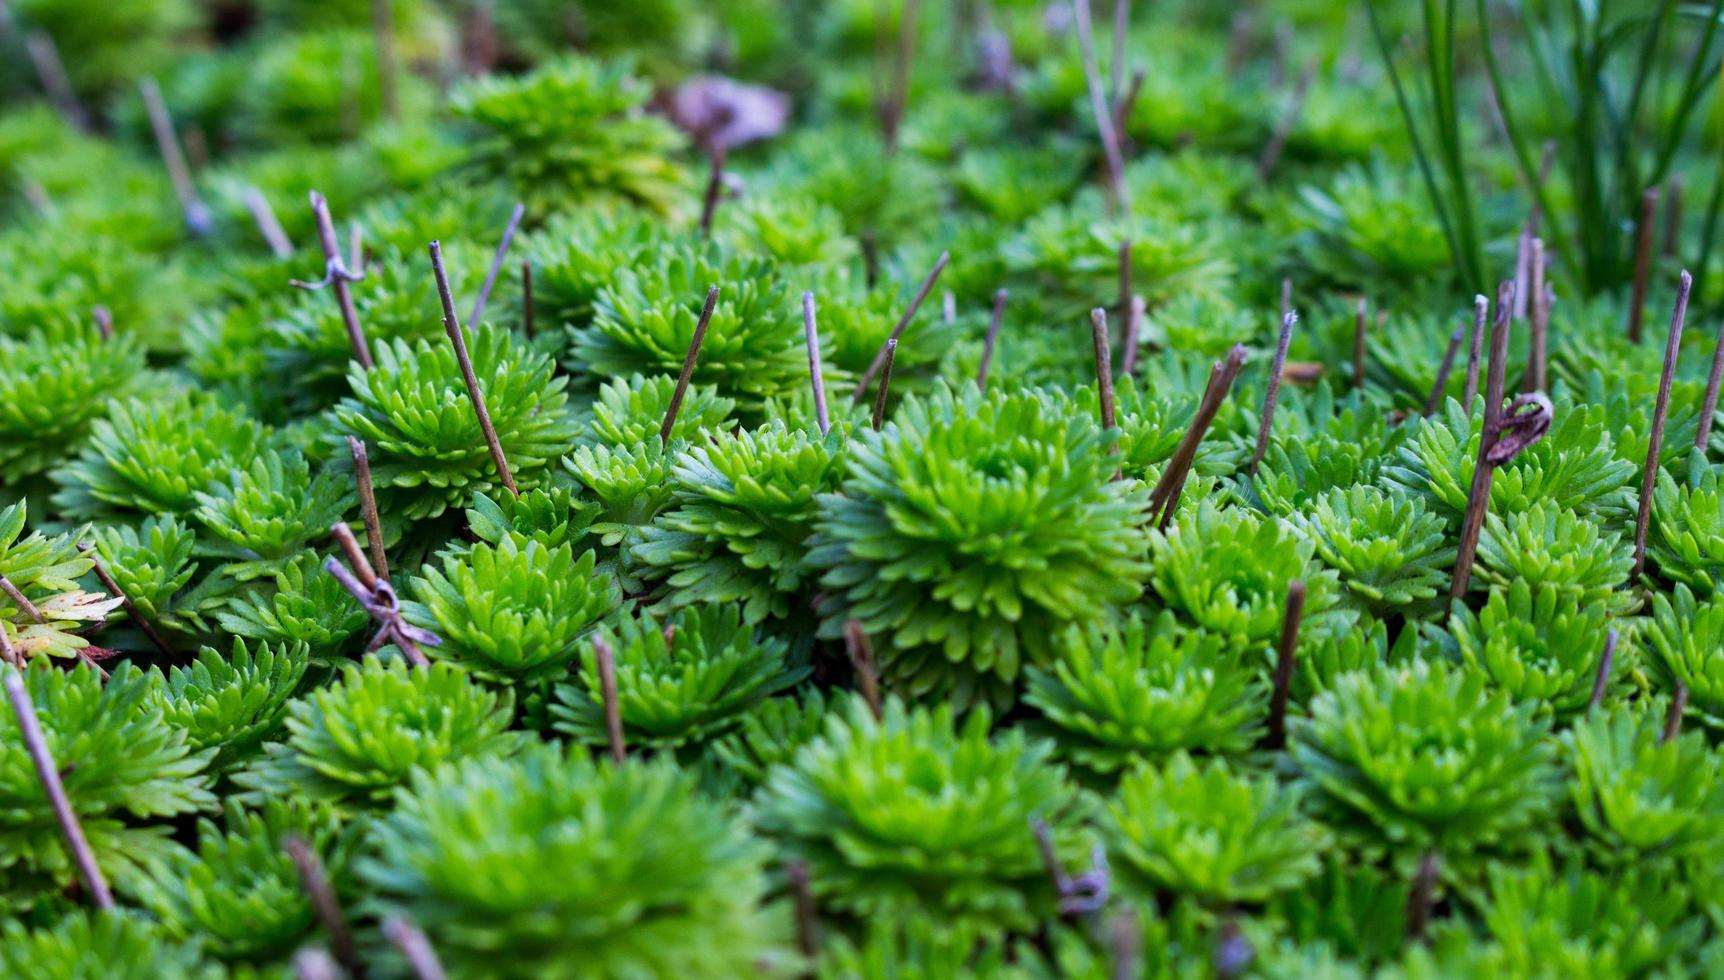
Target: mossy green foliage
pixel 888 660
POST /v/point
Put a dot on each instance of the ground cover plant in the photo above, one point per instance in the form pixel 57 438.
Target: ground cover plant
pixel 861 489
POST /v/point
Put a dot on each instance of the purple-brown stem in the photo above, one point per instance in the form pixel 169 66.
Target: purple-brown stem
pixel 45 56
pixel 1133 331
pixel 1673 716
pixel 1164 498
pixel 267 224
pixel 20 600
pixel 1642 263
pixel 1103 365
pixel 898 329
pixel 1111 151
pixel 1360 324
pixel 1116 67
pixel 1709 407
pixel 8 653
pixel 816 377
pixel 356 560
pixel 1286 297
pixel 1286 658
pixel 1660 411
pixel 1479 496
pixel 688 362
pixel 497 261
pixel 383 37
pixel 1604 665
pixel 314 964
pixel 197 216
pixel 861 652
pixel 885 385
pixel 1445 369
pixel 337 276
pixel 607 662
pixel 1475 343
pixel 993 338
pixel 368 505
pixel 1673 217
pixel 138 618
pixel 415 948
pixel 315 881
pixel 1123 941
pixel 30 732
pixel 527 297
pixel 1423 894
pixel 1123 306
pixel 807 922
pixel 1289 118
pixel 1122 106
pixel 452 326
pixel 1539 307
pixel 892 106
pixel 1272 393
pixel 104 321
pixel 714 185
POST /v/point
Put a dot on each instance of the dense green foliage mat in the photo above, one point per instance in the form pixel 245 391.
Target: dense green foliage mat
pixel 861 488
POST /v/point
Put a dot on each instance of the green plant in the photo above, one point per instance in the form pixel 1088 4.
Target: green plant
pixel 124 769
pixel 478 852
pixel 356 741
pixel 913 813
pixel 1639 796
pixel 44 571
pixel 428 452
pixel 571 132
pixel 513 611
pixel 1206 831
pixel 631 410
pixel 1426 755
pixel 1549 546
pixel 1687 640
pixel 239 892
pixel 233 703
pixel 684 681
pixel 744 506
pixel 1687 532
pixel 303 605
pixel 73 376
pixel 1144 689
pixel 1392 553
pixel 1538 641
pixel 84 945
pixel 272 509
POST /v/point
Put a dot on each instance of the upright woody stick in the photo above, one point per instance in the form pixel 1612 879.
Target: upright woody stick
pixel 337 276
pixel 898 330
pixel 30 731
pixel 1481 311
pixel 368 506
pixel 1272 393
pixel 197 216
pixel 452 326
pixel 993 338
pixel 688 362
pixel 1478 499
pixel 1660 411
pixel 816 377
pixel 497 261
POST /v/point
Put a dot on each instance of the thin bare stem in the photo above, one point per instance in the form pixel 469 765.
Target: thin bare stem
pixel 1289 118
pixel 1286 297
pixel 527 297
pixel 898 328
pixel 1642 263
pixel 1604 664
pixel 356 247
pixel 1164 498
pixel 816 377
pixel 368 505
pixel 1478 497
pixel 885 385
pixel 1475 343
pixel 267 223
pixel 383 36
pixel 497 261
pixel 1123 942
pixel 1116 66
pixel 993 338
pixel 452 326
pixel 892 107
pixel 337 276
pixel 1423 893
pixel 1445 369
pixel 1539 307
pixel 104 321
pixel 356 560
pixel 1098 106
pixel 415 947
pixel 197 215
pixel 8 653
pixel 1709 408
pixel 30 731
pixel 688 361
pixel 315 881
pixel 714 185
pixel 20 600
pixel 861 652
pixel 807 921
pixel 314 964
pixel 1103 365
pixel 1673 217
pixel 1272 392
pixel 1123 305
pixel 1122 106
pixel 1286 658
pixel 1660 411
pixel 45 56
pixel 138 618
pixel 948 307
pixel 1133 333
pixel 1360 326
pixel 1673 716
pixel 607 662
